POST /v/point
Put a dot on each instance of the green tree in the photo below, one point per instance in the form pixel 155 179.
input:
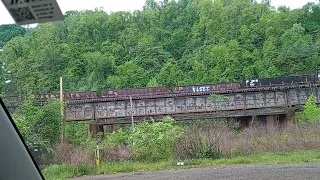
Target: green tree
pixel 311 110
pixel 128 75
pixel 40 127
pixel 98 68
pixel 170 74
pixel 77 133
pixel 9 31
pixel 39 123
pixel 165 43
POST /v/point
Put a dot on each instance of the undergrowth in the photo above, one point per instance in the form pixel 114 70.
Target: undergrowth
pixel 160 145
pixel 57 172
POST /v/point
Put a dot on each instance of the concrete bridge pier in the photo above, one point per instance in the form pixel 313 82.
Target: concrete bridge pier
pixel 280 120
pixel 111 128
pixel 277 120
pixel 264 120
pixel 271 120
pixel 243 122
pixel 95 128
pixel 290 117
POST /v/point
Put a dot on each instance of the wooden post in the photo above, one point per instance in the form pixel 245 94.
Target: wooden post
pixel 132 123
pixel 61 109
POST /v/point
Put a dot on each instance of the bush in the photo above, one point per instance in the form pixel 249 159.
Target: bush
pixel 208 152
pixel 77 132
pixel 117 138
pixel 73 154
pixel 202 142
pixel 260 140
pixel 311 110
pixel 155 141
pixel 40 128
pixel 213 141
pixel 120 153
pixel 116 146
pixel 146 142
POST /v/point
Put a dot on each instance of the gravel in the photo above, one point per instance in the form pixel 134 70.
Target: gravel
pixel 250 172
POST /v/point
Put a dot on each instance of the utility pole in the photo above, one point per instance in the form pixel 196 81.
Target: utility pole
pixel 61 109
pixel 132 123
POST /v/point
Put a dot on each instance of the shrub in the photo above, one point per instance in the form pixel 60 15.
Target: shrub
pixel 73 154
pixel 77 132
pixel 116 146
pixel 155 141
pixel 146 142
pixel 208 152
pixel 202 142
pixel 311 110
pixel 117 138
pixel 40 128
pixel 119 153
pixel 261 139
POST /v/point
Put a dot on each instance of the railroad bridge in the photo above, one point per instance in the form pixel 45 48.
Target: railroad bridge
pixel 269 105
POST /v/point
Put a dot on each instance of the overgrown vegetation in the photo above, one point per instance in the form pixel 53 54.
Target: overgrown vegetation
pixel 57 172
pixel 40 127
pixel 149 142
pixel 311 110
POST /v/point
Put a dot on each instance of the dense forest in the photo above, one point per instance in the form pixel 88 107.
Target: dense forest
pixel 167 43
pixel 9 31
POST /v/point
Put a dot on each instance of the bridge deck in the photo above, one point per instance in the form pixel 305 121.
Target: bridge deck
pixel 235 103
pixel 261 101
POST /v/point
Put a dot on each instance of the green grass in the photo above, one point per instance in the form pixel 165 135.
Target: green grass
pixel 57 172
pixel 61 172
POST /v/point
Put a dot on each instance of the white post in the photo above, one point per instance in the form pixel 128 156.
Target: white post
pixel 132 123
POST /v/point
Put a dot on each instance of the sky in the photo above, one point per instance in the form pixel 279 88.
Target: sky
pixel 124 5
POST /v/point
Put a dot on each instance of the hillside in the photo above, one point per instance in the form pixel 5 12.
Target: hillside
pixel 168 43
pixel 9 31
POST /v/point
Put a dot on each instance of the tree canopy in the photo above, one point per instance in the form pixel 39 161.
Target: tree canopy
pixel 9 31
pixel 166 43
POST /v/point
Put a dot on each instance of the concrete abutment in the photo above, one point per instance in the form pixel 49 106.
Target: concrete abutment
pixel 95 128
pixel 277 120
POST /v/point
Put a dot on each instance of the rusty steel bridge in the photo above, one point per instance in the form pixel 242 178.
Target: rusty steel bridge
pixel 263 101
pixel 269 105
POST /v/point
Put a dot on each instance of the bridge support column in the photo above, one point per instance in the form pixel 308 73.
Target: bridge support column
pixel 95 129
pixel 244 122
pixel 282 121
pixel 112 128
pixel 290 117
pixel 271 121
pixel 231 122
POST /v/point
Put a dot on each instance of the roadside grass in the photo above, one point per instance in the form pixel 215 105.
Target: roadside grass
pixel 57 172
pixel 296 157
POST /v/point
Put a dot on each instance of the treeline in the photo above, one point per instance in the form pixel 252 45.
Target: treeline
pixel 9 31
pixel 166 43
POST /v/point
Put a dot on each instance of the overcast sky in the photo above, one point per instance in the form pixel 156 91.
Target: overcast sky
pixel 123 5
